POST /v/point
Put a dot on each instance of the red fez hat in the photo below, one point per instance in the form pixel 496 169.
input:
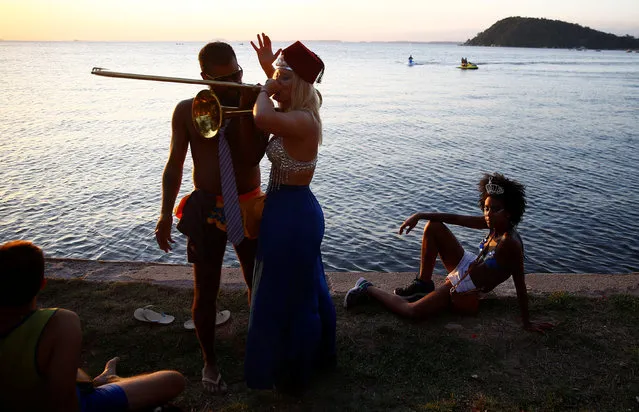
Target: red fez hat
pixel 304 62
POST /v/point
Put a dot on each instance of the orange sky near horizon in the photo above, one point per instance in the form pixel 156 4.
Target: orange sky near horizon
pixel 354 20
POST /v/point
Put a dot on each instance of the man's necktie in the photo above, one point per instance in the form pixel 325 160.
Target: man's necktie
pixel 234 226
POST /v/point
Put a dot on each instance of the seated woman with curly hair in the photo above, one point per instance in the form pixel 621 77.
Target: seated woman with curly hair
pixel 501 255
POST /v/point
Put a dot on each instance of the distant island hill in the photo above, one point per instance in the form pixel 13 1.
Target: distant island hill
pixel 545 33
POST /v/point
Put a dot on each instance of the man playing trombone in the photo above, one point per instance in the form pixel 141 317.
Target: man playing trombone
pixel 218 209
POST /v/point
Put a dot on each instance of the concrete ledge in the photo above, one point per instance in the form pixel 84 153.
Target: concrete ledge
pixel 339 282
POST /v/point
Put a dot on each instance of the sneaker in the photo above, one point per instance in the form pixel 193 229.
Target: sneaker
pixel 357 294
pixel 416 290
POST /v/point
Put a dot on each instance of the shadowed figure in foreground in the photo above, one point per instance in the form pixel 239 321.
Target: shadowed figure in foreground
pixel 40 351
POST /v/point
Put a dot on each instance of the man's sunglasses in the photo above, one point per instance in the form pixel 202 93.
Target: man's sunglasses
pixel 236 76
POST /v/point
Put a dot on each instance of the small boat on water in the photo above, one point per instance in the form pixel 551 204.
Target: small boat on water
pixel 468 66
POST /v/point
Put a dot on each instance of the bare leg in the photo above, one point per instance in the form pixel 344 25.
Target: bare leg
pixel 433 303
pixel 246 252
pixel 204 311
pixel 154 389
pixel 438 240
pixel 108 373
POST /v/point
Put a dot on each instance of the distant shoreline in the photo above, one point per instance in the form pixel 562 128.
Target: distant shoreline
pixel 181 42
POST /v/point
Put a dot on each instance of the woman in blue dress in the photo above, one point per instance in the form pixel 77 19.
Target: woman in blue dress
pixel 292 323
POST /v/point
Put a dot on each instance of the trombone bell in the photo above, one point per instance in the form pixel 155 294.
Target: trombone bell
pixel 208 114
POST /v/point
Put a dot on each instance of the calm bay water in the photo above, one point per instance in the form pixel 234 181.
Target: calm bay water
pixel 81 156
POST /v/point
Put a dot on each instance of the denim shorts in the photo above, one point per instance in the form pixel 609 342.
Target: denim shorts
pixel 455 277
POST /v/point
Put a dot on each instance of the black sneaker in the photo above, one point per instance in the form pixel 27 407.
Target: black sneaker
pixel 416 290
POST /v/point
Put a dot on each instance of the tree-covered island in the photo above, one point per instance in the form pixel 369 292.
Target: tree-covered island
pixel 545 33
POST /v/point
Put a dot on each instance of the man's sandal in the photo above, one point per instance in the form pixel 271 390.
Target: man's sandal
pixel 221 318
pixel 216 387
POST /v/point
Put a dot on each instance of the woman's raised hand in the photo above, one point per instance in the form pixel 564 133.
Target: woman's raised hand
pixel 265 53
pixel 409 224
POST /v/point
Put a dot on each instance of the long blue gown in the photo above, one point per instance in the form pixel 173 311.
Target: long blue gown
pixel 292 322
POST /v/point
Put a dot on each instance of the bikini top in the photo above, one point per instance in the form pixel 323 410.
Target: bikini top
pixel 489 258
pixel 484 256
pixel 283 163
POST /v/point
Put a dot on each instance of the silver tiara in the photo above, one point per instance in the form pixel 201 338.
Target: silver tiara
pixel 281 64
pixel 493 189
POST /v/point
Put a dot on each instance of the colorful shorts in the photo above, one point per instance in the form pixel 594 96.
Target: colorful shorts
pixel 251 207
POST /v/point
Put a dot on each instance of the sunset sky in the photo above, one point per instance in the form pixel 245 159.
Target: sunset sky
pixel 348 20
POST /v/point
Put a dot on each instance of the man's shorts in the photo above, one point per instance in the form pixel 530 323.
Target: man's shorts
pixel 251 207
pixel 109 397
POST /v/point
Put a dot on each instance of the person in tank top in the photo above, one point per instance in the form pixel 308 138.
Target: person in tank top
pixel 40 351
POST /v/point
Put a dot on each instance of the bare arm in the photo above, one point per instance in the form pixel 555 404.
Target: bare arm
pixel 59 360
pixel 520 287
pixel 172 176
pixel 296 124
pixel 522 293
pixel 473 222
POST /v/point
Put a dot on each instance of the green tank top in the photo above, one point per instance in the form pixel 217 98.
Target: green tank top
pixel 19 374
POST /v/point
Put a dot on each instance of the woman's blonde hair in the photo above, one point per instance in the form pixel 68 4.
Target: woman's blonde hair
pixel 305 97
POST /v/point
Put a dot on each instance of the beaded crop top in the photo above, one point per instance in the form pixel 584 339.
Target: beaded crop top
pixel 282 164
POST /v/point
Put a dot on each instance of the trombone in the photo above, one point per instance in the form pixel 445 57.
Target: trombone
pixel 207 112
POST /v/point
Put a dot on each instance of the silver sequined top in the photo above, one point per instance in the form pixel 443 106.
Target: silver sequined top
pixel 283 163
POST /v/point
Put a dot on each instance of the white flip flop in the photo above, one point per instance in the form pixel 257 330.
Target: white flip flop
pixel 221 318
pixel 146 314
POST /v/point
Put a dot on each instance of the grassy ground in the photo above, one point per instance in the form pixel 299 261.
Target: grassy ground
pixel 590 361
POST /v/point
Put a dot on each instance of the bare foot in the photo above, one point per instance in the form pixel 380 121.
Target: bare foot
pixel 212 380
pixel 108 373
